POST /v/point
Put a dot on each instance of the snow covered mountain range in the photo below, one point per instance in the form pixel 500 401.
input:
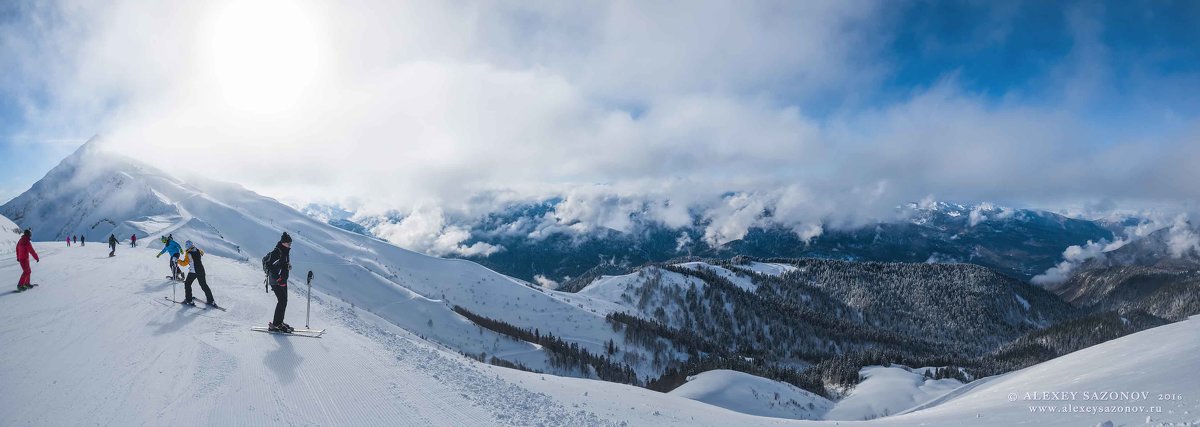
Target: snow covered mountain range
pixel 809 330
pixel 538 239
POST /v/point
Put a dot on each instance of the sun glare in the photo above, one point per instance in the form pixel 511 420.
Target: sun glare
pixel 265 54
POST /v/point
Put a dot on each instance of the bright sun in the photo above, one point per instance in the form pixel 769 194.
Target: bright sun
pixel 265 54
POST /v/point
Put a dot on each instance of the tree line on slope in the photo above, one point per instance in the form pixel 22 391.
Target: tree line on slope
pixel 837 317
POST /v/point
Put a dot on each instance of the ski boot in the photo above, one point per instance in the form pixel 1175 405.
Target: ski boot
pixel 275 328
pixel 188 301
pixel 287 327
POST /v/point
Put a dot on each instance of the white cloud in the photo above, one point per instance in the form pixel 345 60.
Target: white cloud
pixel 980 213
pixel 1073 257
pixel 425 229
pixel 619 107
pixel 684 240
pixel 545 282
pixel 732 218
pixel 1182 240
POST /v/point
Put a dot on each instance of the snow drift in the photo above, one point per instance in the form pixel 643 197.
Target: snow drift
pixel 753 395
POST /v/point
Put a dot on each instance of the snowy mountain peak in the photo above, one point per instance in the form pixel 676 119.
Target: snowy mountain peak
pixel 94 193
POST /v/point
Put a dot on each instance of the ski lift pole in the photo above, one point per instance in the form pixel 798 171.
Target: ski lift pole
pixel 308 308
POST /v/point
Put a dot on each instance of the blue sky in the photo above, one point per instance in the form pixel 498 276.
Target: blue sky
pixel 855 104
pixel 1018 50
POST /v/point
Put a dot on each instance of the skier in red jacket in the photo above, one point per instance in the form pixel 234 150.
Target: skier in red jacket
pixel 24 250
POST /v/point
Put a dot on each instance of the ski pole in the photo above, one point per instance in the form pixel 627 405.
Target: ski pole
pixel 309 307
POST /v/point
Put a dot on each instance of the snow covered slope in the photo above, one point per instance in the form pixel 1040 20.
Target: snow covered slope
pixel 888 391
pixel 9 234
pixel 753 395
pixel 609 294
pixel 96 343
pixel 95 193
pixel 1161 363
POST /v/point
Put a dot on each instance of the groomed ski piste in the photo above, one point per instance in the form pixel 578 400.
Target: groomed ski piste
pixel 97 343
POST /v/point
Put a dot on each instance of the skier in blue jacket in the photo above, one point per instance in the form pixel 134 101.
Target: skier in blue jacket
pixel 171 247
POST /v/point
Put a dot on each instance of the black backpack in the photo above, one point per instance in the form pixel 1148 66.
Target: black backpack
pixel 267 280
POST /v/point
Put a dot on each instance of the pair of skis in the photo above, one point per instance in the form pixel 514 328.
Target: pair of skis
pixel 311 333
pixel 206 304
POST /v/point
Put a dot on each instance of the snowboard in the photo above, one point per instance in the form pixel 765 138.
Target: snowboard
pixel 15 291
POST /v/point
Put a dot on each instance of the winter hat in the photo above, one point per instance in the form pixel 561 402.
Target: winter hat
pixel 28 232
pixel 286 238
pixel 187 244
pixel 163 239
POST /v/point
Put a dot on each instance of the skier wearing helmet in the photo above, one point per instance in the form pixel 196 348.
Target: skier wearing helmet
pixel 169 246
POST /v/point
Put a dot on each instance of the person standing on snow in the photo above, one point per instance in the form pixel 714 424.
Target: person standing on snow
pixel 24 250
pixel 68 241
pixel 82 240
pixel 169 246
pixel 133 241
pixel 277 265
pixel 192 259
pixel 112 245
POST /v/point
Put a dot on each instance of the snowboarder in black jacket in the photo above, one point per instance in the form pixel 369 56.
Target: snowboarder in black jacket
pixel 277 265
pixel 193 260
pixel 112 245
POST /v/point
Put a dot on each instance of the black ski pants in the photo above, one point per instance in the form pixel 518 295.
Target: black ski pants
pixel 187 287
pixel 176 273
pixel 281 306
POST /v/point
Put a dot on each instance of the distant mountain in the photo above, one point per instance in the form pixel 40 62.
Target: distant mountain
pixel 818 308
pixel 1017 242
pixel 9 234
pixel 336 217
pixel 1145 274
pixel 80 198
